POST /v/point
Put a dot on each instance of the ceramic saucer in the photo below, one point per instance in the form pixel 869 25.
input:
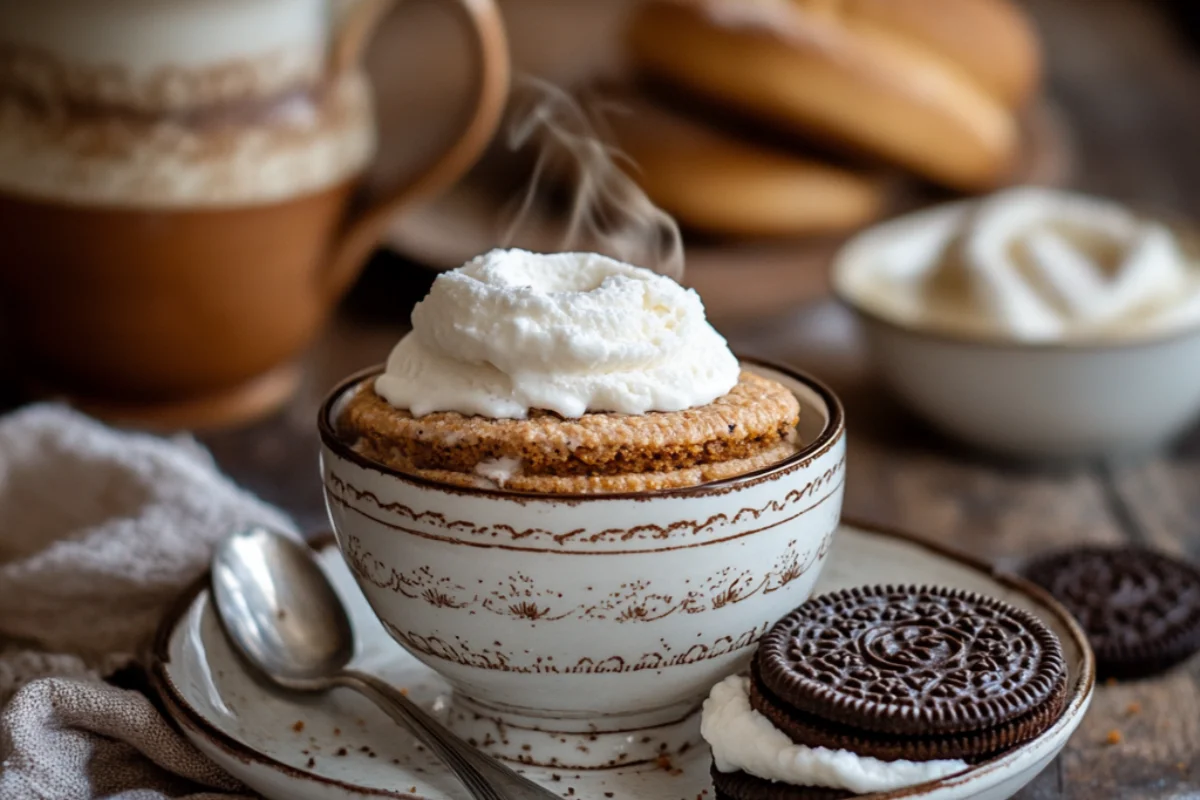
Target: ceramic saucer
pixel 291 747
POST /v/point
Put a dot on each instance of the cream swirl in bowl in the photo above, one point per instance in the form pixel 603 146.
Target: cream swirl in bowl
pixel 571 333
pixel 1032 265
pixel 1034 322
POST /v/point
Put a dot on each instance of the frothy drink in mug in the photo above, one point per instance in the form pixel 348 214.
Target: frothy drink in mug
pixel 178 192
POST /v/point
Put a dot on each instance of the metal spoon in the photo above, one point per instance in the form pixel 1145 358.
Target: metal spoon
pixel 280 612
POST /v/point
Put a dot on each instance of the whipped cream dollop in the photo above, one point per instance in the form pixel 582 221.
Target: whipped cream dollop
pixel 571 333
pixel 1030 264
pixel 743 739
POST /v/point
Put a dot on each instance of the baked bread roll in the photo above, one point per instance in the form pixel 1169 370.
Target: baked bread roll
pixel 992 40
pixel 930 85
pixel 711 182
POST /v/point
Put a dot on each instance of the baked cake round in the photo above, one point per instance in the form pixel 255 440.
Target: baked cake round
pixel 750 427
pixel 720 182
pixel 929 85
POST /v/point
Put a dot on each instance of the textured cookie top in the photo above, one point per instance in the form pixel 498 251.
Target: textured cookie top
pixel 751 426
pixel 911 660
pixel 1139 608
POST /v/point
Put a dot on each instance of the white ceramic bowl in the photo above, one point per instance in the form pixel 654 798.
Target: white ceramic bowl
pixel 584 631
pixel 1072 400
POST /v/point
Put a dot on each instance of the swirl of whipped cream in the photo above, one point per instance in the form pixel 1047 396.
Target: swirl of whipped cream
pixel 571 333
pixel 1031 264
pixel 1047 264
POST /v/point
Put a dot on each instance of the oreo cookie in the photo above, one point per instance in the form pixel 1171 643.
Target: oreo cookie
pixel 1139 608
pixel 911 661
pixel 903 673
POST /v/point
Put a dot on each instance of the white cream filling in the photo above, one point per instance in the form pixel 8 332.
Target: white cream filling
pixel 498 470
pixel 744 740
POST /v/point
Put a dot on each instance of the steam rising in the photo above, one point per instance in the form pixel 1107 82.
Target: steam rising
pixel 607 212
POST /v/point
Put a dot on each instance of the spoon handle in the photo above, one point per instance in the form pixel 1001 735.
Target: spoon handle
pixel 483 776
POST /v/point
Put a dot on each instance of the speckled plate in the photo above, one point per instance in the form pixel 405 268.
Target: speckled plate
pixel 291 747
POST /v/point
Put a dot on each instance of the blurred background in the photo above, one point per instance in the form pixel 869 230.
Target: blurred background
pixel 201 230
pixel 1101 94
pixel 1110 113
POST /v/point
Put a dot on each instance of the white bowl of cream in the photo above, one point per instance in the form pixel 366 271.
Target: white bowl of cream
pixel 1034 323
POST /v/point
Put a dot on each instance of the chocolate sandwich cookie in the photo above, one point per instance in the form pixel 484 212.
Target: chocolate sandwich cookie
pixel 1139 608
pixel 911 661
pixel 973 746
pixel 910 673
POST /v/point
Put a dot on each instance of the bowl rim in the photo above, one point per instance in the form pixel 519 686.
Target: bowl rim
pixel 998 342
pixel 1078 698
pixel 833 432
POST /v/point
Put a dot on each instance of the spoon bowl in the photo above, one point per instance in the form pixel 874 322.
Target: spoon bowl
pixel 287 619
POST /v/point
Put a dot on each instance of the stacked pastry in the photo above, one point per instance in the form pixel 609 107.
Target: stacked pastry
pixel 931 87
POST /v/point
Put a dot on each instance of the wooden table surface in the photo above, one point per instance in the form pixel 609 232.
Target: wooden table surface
pixel 1133 92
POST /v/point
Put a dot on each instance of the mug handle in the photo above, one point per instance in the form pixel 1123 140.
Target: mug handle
pixel 366 226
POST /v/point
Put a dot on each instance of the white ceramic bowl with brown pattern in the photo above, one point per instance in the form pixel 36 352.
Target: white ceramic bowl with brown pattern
pixel 584 631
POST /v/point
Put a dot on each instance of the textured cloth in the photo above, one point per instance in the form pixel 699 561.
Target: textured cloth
pixel 99 531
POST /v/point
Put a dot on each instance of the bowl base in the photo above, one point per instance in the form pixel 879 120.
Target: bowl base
pixel 606 743
pixel 235 405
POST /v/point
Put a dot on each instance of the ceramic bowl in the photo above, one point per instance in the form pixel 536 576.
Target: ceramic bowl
pixel 585 630
pixel 1069 400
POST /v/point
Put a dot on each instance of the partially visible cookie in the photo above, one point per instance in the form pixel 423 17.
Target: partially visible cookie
pixel 1139 608
pixel 711 180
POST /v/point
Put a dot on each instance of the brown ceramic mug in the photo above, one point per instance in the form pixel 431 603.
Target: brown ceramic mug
pixel 180 192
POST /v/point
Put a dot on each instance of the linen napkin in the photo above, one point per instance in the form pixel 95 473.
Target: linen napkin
pixel 99 531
